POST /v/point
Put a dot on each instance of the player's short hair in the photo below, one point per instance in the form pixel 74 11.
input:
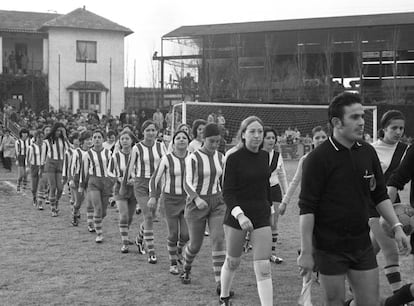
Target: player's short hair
pixel 338 103
pixel 85 135
pixel 146 124
pixel 180 132
pixel 73 136
pixel 23 131
pixel 317 129
pixel 110 133
pixel 98 131
pixel 268 129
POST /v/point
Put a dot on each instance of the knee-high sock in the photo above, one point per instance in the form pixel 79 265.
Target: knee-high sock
pixel 188 258
pixel 180 246
pixel 264 281
pixel 392 272
pixel 141 232
pixel 227 275
pixel 401 297
pixel 274 241
pixel 89 217
pixel 53 205
pixel 98 225
pixel 123 229
pixel 149 241
pixel 172 251
pixel 218 261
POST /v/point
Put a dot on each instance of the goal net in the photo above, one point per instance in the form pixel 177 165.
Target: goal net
pixel 281 117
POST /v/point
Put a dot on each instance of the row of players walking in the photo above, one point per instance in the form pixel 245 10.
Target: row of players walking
pixel 238 196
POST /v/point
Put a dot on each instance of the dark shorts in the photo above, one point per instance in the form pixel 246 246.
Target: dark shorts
pixel 216 208
pixel 339 263
pixel 21 161
pixel 128 196
pixel 174 205
pixel 101 184
pixel 141 187
pixel 53 166
pixel 276 193
pixel 257 221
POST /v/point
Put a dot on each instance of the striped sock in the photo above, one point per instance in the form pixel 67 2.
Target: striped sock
pixel 392 272
pixel 172 251
pixel 52 203
pixel 218 260
pixel 41 197
pixel 141 232
pixel 89 218
pixel 149 241
pixel 123 229
pixel 188 258
pixel 98 225
pixel 274 241
pixel 181 245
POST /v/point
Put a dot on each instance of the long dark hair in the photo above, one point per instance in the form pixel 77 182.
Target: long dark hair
pixel 52 135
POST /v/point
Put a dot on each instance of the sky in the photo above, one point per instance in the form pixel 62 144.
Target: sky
pixel 150 20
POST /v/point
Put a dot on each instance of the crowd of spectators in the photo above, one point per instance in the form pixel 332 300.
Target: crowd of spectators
pixel 27 118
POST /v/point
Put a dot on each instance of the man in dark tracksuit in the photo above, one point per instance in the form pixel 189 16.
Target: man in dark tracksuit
pixel 339 180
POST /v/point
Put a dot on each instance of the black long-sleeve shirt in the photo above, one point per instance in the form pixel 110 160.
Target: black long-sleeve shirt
pixel 404 174
pixel 246 182
pixel 337 186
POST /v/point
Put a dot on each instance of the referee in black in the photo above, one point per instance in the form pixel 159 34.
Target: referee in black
pixel 340 178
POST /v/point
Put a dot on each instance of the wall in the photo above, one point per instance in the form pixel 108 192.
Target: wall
pixel 109 45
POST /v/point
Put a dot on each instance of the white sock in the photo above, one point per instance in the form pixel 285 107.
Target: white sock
pixel 226 278
pixel 264 281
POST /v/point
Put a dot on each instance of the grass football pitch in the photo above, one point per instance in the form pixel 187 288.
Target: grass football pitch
pixel 47 261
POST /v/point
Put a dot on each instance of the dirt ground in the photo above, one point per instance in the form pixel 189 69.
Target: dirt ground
pixel 47 261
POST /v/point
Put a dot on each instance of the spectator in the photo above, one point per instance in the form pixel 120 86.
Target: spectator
pixel 212 118
pixel 158 118
pixel 7 146
pixel 221 121
pixel 168 120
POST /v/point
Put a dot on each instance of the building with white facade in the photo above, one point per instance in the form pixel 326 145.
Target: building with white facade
pixel 79 57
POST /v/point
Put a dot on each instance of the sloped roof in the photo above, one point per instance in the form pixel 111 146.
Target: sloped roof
pixel 84 19
pixel 88 85
pixel 294 24
pixel 28 22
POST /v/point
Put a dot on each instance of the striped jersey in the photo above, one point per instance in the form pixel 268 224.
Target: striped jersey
pixel 172 170
pixel 34 155
pixel 144 160
pixel 203 173
pixel 76 163
pixel 67 163
pixel 22 146
pixel 118 164
pixel 94 163
pixel 55 149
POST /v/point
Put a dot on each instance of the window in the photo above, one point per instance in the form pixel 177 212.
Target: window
pixel 86 51
pixel 71 100
pixel 89 101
